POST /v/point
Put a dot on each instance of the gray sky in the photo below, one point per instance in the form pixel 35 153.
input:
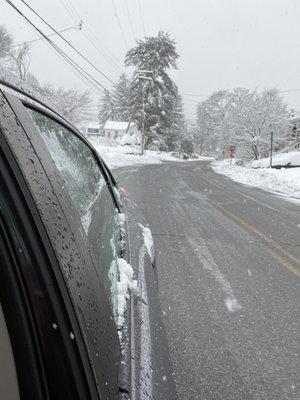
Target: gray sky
pixel 222 43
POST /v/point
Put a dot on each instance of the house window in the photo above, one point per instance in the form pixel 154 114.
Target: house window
pixel 93 130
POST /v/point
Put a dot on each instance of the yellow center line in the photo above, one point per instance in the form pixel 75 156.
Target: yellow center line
pixel 277 252
pixel 282 257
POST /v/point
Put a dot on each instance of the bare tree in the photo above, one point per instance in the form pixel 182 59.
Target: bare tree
pixel 74 105
pixel 20 58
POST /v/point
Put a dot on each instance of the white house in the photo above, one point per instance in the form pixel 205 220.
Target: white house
pixel 116 130
pixel 89 129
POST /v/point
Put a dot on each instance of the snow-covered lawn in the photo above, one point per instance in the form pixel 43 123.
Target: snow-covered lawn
pixel 121 156
pixel 279 159
pixel 284 181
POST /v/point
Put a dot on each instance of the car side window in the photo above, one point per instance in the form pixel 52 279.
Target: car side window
pixel 89 192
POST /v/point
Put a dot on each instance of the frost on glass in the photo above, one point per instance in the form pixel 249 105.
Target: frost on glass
pixel 75 162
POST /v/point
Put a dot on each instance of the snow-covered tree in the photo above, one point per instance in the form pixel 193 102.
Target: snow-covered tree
pixel 73 105
pixel 107 111
pixel 70 103
pixel 116 104
pixel 6 42
pixel 155 97
pixel 20 60
pixel 244 118
pixel 210 120
pixel 122 98
pixel 176 131
pixel 253 117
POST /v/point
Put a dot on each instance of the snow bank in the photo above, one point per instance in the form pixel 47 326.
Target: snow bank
pixel 281 159
pixel 122 156
pixel 285 181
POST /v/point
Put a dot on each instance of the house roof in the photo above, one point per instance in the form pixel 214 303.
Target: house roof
pixel 90 124
pixel 117 125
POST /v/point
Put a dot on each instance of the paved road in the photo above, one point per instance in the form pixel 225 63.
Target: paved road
pixel 229 268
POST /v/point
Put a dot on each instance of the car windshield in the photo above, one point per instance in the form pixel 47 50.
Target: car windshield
pixel 195 108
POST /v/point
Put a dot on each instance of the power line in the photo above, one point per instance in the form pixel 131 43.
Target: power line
pixel 69 44
pixel 141 15
pixel 130 21
pixel 41 38
pixel 97 85
pixel 92 37
pixel 101 49
pixel 119 23
pixel 71 9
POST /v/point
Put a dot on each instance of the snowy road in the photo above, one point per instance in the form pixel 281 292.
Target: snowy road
pixel 229 267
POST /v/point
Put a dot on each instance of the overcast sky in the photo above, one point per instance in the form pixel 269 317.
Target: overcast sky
pixel 222 43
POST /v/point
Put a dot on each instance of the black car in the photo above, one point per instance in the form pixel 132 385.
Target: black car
pixel 79 310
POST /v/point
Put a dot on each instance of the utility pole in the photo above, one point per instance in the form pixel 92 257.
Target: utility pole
pixel 143 121
pixel 271 150
pixel 143 75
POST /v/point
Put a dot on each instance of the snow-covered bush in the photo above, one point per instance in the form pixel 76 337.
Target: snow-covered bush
pixel 130 140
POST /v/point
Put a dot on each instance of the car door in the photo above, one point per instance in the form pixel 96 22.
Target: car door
pixel 65 215
pixel 39 355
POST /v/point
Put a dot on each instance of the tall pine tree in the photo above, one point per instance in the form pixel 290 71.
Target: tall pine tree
pixel 122 99
pixel 155 97
pixel 116 105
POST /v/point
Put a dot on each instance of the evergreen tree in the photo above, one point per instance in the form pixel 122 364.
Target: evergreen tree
pixel 6 42
pixel 107 108
pixel 116 105
pixel 176 132
pixel 155 97
pixel 122 99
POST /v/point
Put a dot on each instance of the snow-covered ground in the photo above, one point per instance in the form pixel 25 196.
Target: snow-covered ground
pixel 279 159
pixel 284 181
pixel 121 156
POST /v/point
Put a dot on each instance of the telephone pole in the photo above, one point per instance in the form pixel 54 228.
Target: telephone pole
pixel 271 150
pixel 143 75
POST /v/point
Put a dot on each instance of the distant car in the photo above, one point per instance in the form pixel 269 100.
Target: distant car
pixel 79 310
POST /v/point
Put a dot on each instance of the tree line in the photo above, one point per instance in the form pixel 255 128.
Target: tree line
pixel 15 65
pixel 241 117
pixel 149 97
pixel 244 118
